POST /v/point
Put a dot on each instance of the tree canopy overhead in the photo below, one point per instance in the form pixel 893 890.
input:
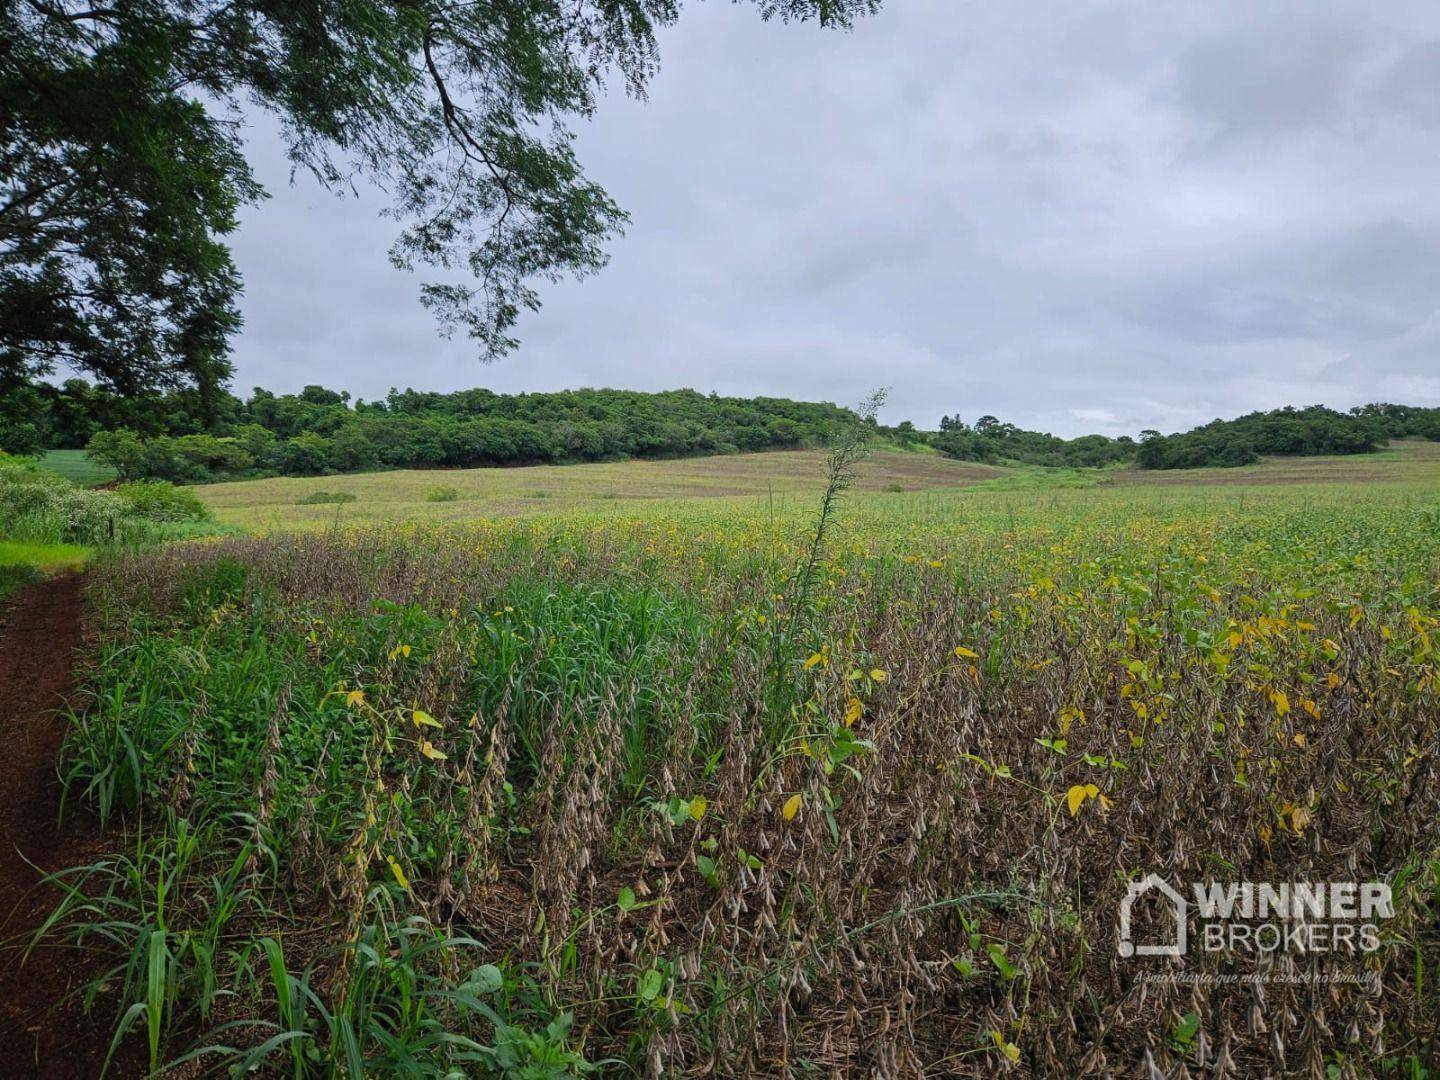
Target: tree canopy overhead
pixel 122 161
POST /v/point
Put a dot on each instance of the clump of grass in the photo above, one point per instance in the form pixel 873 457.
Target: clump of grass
pixel 441 493
pixel 24 557
pixel 325 498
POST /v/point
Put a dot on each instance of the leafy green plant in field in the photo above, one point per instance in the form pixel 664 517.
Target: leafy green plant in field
pixel 401 1012
pixel 442 493
pixel 163 913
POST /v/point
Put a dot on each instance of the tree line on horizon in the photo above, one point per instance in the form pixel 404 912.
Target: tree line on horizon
pixel 182 436
pixel 1286 432
pixel 188 436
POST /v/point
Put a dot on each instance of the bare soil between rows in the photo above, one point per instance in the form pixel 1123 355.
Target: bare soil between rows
pixel 43 1030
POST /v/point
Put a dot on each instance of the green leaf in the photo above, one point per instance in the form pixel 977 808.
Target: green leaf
pixel 1187 1028
pixel 650 985
pixel 485 979
pixel 1001 961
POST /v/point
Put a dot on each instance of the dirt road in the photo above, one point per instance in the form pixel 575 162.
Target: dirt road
pixel 42 1033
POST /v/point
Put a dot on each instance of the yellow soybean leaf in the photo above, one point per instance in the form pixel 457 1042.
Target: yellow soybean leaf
pixel 1074 797
pixel 429 751
pixel 400 878
pixel 1282 703
pixel 424 719
pixel 966 654
pixel 1009 1049
pixel 815 658
pixel 854 709
pixel 791 807
pixel 879 674
pixel 698 806
pixel 353 698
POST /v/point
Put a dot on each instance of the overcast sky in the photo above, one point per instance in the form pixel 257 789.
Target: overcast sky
pixel 1075 216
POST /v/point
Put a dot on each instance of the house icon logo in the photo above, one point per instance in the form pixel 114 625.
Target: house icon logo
pixel 1137 889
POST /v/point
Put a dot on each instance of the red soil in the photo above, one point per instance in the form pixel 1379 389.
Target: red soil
pixel 43 1032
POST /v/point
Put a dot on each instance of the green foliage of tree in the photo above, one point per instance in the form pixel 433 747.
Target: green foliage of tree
pixel 123 163
pixel 990 440
pixel 180 436
pixel 1310 431
pixel 1289 431
pixel 319 431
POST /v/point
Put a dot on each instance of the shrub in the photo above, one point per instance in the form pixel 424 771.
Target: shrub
pixel 320 498
pixel 442 493
pixel 41 507
pixel 160 500
pixel 44 508
pixel 121 449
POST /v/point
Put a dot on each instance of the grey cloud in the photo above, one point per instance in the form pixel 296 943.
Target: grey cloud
pixel 1412 84
pixel 1281 78
pixel 1080 217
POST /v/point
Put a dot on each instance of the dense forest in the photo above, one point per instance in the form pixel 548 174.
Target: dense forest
pixel 185 435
